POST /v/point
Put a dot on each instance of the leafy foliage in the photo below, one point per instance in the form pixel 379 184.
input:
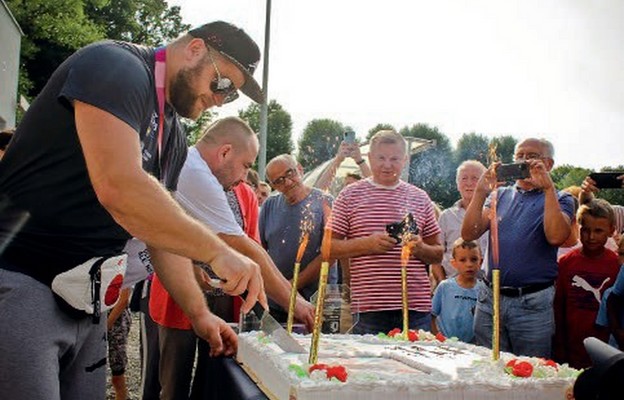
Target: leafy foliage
pixel 472 146
pixel 433 170
pixel 319 142
pixel 195 129
pixel 568 175
pixel 54 29
pixel 377 128
pixel 505 147
pixel 279 127
pixel 148 22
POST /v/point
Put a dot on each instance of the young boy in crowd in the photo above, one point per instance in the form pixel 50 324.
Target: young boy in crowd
pixel 584 275
pixel 455 298
pixel 611 313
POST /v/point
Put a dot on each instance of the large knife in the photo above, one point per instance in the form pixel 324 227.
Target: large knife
pixel 270 326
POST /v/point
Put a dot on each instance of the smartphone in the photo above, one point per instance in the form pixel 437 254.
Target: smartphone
pixel 512 172
pixel 408 224
pixel 349 137
pixel 607 180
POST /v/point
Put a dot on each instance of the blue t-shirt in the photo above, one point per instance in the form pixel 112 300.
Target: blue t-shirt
pixel 618 289
pixel 525 256
pixel 280 226
pixel 602 318
pixel 453 306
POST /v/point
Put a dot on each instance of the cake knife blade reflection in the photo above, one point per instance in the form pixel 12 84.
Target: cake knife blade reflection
pixel 270 326
pixel 276 331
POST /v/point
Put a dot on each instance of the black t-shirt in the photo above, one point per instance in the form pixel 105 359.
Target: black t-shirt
pixel 44 170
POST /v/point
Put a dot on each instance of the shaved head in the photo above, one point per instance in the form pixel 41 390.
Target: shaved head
pixel 230 130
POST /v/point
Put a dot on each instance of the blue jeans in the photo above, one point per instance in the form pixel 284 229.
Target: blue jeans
pixel 527 323
pixel 384 321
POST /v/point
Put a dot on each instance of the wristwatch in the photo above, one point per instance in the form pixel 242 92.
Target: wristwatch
pixel 362 161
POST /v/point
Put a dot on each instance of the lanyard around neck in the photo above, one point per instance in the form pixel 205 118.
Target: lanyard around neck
pixel 159 76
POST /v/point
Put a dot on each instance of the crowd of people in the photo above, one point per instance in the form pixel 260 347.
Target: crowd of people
pixel 112 190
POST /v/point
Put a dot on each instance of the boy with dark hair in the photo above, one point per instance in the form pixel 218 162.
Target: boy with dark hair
pixel 584 275
pixel 455 298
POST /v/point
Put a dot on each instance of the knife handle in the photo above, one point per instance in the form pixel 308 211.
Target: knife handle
pixel 257 308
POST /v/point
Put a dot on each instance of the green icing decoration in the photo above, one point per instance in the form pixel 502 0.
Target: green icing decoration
pixel 298 370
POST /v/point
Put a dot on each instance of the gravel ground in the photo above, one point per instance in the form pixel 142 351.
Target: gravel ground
pixel 133 370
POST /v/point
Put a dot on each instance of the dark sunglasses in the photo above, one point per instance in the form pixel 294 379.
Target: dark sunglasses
pixel 222 85
pixel 290 172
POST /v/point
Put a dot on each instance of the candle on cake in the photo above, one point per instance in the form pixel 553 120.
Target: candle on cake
pixel 322 287
pixel 303 243
pixel 405 256
pixel 495 265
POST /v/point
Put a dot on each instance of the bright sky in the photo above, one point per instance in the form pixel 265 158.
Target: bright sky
pixel 547 68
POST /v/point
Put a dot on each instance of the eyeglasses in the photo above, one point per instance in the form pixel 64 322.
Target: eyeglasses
pixel 222 85
pixel 528 156
pixel 290 172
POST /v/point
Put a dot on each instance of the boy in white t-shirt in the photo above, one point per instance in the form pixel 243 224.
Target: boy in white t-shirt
pixel 455 298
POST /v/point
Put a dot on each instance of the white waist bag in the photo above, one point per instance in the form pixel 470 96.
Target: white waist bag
pixel 93 286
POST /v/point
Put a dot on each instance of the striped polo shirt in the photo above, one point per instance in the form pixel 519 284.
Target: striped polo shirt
pixel 364 208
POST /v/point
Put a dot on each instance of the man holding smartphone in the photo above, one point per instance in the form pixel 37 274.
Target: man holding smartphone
pixel 348 148
pixel 533 221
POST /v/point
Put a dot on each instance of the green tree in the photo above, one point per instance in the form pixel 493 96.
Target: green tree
pixel 195 129
pixel 148 22
pixel 319 142
pixel 53 29
pixel 279 127
pixel 472 146
pixel 505 147
pixel 377 128
pixel 568 175
pixel 433 170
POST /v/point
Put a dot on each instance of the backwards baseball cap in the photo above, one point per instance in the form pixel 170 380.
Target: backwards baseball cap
pixel 237 47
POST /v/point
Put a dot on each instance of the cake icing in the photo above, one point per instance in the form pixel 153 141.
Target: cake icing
pixel 386 368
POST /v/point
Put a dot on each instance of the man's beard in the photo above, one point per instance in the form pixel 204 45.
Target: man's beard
pixel 182 93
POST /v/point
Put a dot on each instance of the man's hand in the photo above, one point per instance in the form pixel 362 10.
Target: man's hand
pixel 589 185
pixel 304 312
pixel 428 250
pixel 353 150
pixel 202 278
pixel 240 273
pixel 487 182
pixel 344 151
pixel 540 177
pixel 379 243
pixel 415 244
pixel 221 338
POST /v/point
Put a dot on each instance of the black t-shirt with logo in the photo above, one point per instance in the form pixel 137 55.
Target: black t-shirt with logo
pixel 44 170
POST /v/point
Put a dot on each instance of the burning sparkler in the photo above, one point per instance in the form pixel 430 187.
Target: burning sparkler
pixel 495 266
pixel 322 287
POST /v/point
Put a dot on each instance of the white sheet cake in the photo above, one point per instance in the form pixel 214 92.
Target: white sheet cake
pixel 380 368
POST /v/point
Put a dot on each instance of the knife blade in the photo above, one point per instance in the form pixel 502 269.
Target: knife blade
pixel 270 326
